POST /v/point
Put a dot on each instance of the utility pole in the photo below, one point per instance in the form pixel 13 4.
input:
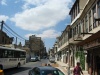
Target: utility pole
pixel 16 43
pixel 1 32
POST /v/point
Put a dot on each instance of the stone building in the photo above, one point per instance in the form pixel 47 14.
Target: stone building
pixel 80 41
pixel 36 46
pixel 5 39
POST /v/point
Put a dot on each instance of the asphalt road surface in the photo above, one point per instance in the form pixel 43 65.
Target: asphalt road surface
pixel 25 68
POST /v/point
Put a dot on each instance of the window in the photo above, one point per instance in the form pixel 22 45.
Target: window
pixel 10 54
pixel 98 10
pixel 94 11
pixel 78 8
pixel 35 71
pixel 86 24
pixel 60 73
pixel 22 54
pixel 90 25
pixel 70 34
pixel 79 29
pixel 83 29
pixel 5 55
pixel 1 54
pixel 3 39
pixel 16 54
pixel 71 16
pixel 75 30
pixel 74 13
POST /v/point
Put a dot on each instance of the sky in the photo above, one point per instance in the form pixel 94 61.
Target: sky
pixel 43 18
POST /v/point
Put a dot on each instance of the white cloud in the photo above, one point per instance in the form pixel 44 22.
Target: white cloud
pixel 46 34
pixel 33 2
pixel 47 13
pixel 27 35
pixel 3 17
pixel 3 2
pixel 16 1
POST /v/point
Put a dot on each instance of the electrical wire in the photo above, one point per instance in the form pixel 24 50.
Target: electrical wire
pixel 13 31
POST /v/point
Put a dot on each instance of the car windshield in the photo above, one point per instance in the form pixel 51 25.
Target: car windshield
pixel 52 72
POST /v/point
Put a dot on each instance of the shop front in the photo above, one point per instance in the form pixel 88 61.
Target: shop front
pixel 92 46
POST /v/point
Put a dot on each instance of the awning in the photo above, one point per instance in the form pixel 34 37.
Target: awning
pixel 89 39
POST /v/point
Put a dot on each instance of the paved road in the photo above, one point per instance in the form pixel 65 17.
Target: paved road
pixel 25 68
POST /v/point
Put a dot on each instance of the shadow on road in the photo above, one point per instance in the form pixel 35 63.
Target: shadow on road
pixel 15 70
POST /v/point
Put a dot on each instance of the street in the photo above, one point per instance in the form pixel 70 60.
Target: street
pixel 25 68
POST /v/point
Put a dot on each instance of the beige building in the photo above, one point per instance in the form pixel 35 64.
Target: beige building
pixel 80 41
pixel 36 46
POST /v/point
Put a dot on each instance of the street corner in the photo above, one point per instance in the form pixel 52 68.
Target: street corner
pixel 54 65
pixel 44 64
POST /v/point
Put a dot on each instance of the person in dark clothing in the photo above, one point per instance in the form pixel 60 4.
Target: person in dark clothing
pixel 77 70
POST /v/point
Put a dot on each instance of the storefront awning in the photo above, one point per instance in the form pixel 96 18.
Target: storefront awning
pixel 91 38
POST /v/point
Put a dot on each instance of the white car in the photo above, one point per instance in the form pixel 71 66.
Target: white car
pixel 33 58
pixel 52 59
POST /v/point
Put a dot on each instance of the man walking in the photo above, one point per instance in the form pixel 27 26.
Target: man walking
pixel 77 70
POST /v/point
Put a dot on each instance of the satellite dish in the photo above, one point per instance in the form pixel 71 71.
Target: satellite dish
pixel 95 16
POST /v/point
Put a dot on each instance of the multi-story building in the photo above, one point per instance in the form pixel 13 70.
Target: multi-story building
pixel 62 41
pixel 83 43
pixel 5 39
pixel 75 31
pixel 90 22
pixel 36 45
pixel 55 50
pixel 27 43
pixel 51 52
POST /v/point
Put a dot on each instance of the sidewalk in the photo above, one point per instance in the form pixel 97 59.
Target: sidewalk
pixel 64 67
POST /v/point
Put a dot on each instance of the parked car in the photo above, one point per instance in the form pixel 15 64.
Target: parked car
pixel 45 70
pixel 35 58
pixel 52 59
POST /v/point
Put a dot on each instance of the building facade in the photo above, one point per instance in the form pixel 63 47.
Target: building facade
pixel 80 41
pixel 36 46
pixel 5 39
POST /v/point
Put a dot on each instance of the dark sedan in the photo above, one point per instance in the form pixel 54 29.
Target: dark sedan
pixel 45 70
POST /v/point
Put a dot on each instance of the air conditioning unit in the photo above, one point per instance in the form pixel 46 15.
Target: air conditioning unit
pixel 96 17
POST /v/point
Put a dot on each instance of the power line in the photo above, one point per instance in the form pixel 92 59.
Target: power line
pixel 13 31
pixel 19 35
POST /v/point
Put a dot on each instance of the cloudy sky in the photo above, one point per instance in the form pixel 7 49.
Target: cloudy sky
pixel 43 18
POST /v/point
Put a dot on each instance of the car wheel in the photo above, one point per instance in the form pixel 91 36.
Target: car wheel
pixel 18 66
pixel 29 73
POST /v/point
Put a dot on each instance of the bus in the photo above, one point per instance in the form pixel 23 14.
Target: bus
pixel 11 57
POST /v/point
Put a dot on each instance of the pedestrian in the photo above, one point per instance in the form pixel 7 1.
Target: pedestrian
pixel 77 70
